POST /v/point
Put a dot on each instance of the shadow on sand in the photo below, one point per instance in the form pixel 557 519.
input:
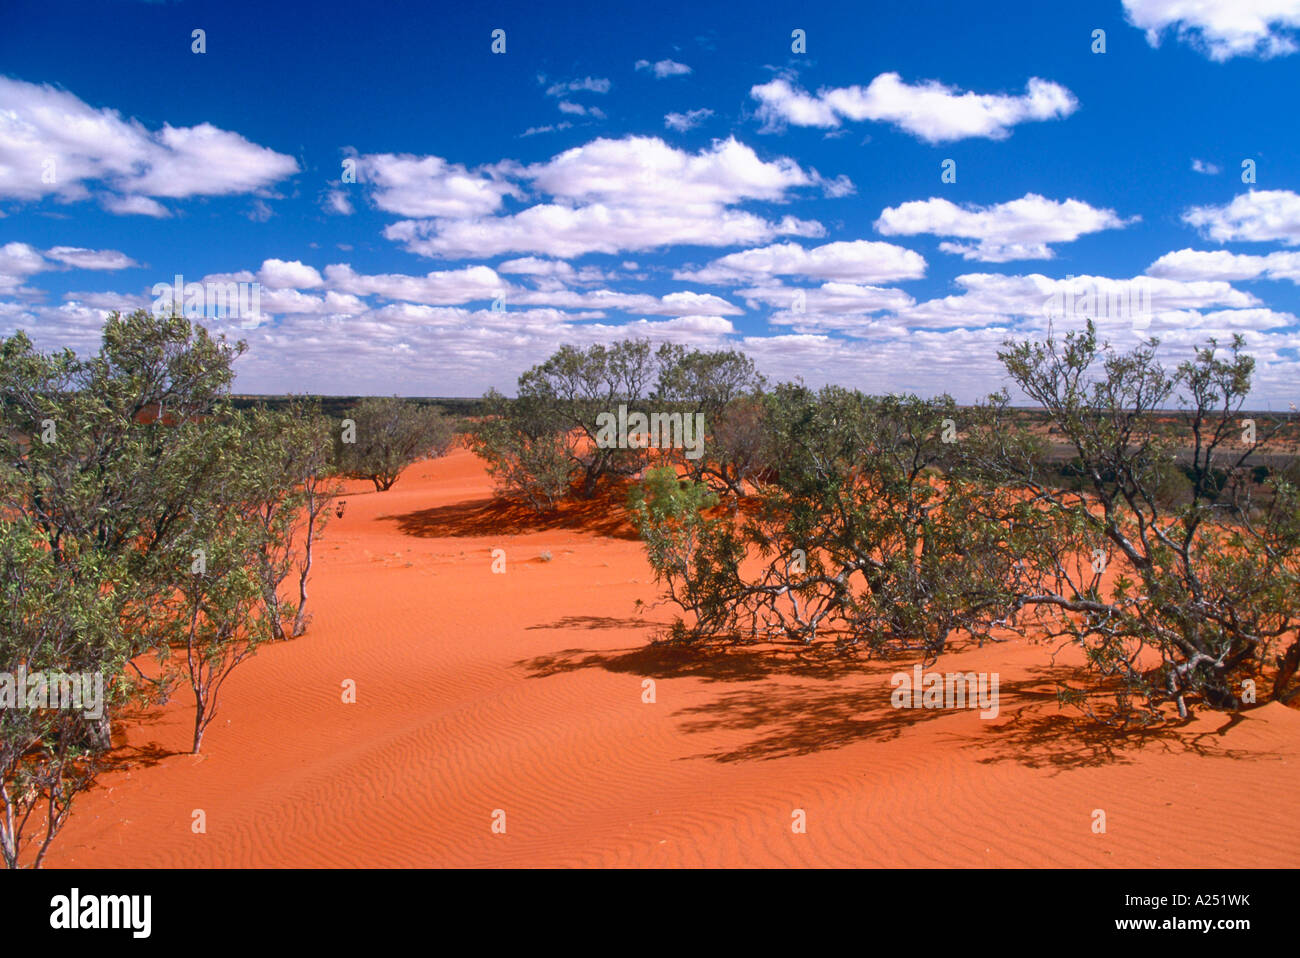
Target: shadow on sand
pixel 812 700
pixel 495 517
pixel 124 757
pixel 1043 738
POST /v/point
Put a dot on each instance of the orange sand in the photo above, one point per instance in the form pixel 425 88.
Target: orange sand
pixel 523 692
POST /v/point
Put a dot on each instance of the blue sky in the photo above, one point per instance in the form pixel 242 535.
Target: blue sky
pixel 674 170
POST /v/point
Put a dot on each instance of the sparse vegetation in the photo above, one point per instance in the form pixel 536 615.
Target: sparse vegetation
pixel 141 515
pixel 550 443
pixel 1159 549
pixel 391 434
pixel 1203 561
pixel 852 538
pixel 294 478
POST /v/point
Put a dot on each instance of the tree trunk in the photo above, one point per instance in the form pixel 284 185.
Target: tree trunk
pixel 1287 667
pixel 198 728
pixel 273 608
pixel 101 735
pixel 300 619
pixel 97 734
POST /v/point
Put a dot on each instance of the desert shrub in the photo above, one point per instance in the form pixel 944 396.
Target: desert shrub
pixel 695 558
pixel 117 473
pixel 391 434
pixel 545 442
pixel 739 445
pixel 527 454
pixel 1204 596
pixel 57 615
pixel 724 388
pixel 852 537
pixel 102 456
pixel 1171 561
pixel 292 476
pixel 556 437
pixel 221 611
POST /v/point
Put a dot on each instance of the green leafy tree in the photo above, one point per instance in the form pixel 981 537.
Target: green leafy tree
pixel 546 442
pixel 1203 560
pixel 854 536
pixel 724 388
pixel 91 458
pixel 292 472
pixel 526 454
pixel 113 470
pixel 391 434
pixel 220 607
pixel 552 440
pixel 692 555
pixel 56 616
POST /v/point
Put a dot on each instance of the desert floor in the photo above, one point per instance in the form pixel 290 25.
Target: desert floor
pixel 522 692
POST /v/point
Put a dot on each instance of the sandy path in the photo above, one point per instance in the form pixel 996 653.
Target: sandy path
pixel 522 692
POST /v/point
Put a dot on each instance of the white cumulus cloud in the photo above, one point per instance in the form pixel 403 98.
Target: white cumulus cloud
pixel 431 186
pixel 928 110
pixel 633 193
pixel 279 274
pixel 855 261
pixel 1220 264
pixel 1018 229
pixel 54 144
pixel 21 260
pixel 1256 217
pixel 1221 29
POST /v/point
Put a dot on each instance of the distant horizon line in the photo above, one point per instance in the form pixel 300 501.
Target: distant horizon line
pixel 309 395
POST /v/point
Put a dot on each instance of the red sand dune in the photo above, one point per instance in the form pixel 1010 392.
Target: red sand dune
pixel 523 692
